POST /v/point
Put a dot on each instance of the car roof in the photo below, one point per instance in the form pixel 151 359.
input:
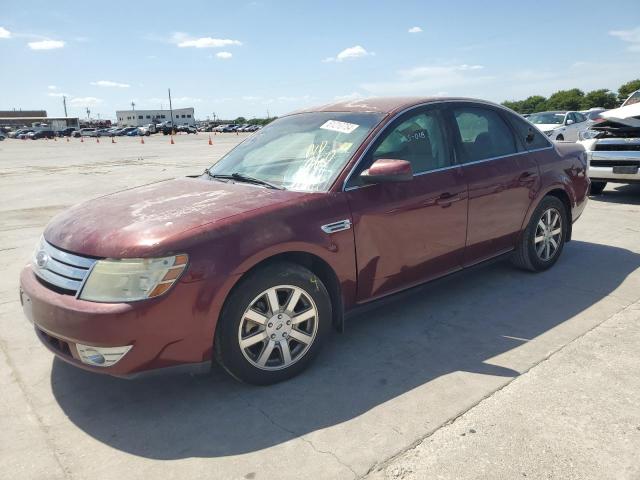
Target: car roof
pixel 384 105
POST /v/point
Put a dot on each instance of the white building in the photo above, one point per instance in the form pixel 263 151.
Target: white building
pixel 138 118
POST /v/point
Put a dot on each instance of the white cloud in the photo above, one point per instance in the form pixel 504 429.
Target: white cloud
pixel 429 80
pixel 58 94
pixel 224 55
pixel 52 87
pixel 109 83
pixel 349 53
pixel 46 44
pixel 184 41
pixel 85 101
pixel 415 30
pixel 4 33
pixel 630 36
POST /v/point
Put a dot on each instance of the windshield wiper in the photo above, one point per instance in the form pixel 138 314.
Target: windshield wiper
pixel 241 177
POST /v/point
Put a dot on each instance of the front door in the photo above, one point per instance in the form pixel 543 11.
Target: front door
pixel 410 232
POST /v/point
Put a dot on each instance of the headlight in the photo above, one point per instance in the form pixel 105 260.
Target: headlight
pixel 588 134
pixel 132 279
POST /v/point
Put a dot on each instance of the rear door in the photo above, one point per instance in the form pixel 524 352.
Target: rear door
pixel 501 176
pixel 409 232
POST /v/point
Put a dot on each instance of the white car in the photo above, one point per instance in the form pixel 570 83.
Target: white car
pixel 613 147
pixel 560 126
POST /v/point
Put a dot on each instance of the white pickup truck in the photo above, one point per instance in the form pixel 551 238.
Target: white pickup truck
pixel 613 146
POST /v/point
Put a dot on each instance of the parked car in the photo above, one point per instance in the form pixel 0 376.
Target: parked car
pixel 134 132
pixel 593 114
pixel 50 134
pixel 87 132
pixel 2 136
pixel 24 134
pixel 66 132
pixel 560 126
pixel 19 132
pixel 269 247
pixel 104 132
pixel 613 147
pixel 219 128
pixel 187 129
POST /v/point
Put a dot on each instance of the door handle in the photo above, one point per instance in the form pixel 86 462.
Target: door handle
pixel 447 198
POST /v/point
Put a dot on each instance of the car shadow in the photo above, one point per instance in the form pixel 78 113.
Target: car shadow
pixel 455 325
pixel 616 193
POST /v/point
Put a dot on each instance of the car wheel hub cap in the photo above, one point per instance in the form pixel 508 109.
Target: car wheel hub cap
pixel 548 234
pixel 278 327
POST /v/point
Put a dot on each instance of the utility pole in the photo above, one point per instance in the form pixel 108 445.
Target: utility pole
pixel 171 110
pixel 133 106
pixel 64 103
pixel 88 114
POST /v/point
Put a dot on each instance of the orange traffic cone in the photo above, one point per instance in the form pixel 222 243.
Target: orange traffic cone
pixel 172 142
pixel 210 142
pixel 81 140
pixel 55 139
pixel 97 139
pixel 142 140
pixel 113 140
pixel 67 139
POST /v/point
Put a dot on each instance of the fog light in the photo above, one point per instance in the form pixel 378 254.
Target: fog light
pixel 101 356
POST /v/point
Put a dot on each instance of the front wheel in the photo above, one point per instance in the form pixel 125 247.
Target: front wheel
pixel 597 187
pixel 273 324
pixel 543 239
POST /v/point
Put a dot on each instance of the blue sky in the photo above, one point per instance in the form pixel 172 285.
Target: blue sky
pixel 249 57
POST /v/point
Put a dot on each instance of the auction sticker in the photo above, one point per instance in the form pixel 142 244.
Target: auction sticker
pixel 337 126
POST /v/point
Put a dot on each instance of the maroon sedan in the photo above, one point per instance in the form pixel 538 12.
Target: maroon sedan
pixel 252 262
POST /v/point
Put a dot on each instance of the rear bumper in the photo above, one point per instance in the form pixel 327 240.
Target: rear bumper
pixel 163 332
pixel 607 166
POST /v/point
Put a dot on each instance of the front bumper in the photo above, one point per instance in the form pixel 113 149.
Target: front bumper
pixel 162 332
pixel 614 166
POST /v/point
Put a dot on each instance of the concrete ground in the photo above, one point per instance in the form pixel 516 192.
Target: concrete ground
pixel 495 373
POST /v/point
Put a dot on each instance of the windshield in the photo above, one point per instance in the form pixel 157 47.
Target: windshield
pixel 300 152
pixel 546 118
pixel 633 99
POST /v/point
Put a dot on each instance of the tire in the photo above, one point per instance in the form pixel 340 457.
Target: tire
pixel 527 254
pixel 597 188
pixel 264 359
pixel 560 138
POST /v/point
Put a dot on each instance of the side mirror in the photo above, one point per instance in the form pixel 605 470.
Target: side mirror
pixel 387 170
pixel 570 122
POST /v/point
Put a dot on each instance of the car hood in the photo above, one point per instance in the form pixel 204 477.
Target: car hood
pixel 629 115
pixel 545 127
pixel 143 221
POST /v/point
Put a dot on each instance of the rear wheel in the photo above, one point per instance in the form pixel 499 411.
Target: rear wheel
pixel 597 188
pixel 543 239
pixel 560 138
pixel 273 324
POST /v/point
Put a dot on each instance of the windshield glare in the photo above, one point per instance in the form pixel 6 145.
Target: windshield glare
pixel 303 152
pixel 546 118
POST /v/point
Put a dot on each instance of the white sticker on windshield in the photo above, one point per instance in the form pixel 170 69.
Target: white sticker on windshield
pixel 337 126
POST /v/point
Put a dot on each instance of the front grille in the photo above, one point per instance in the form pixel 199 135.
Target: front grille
pixel 62 271
pixel 617 147
pixel 614 163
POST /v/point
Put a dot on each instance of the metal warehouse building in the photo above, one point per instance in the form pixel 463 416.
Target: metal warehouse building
pixel 29 118
pixel 138 118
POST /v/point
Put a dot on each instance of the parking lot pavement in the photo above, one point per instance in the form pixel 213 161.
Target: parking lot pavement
pixel 398 375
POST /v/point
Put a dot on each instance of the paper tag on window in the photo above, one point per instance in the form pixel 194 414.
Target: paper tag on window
pixel 337 126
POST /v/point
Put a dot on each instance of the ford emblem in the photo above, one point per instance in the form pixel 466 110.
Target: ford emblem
pixel 41 259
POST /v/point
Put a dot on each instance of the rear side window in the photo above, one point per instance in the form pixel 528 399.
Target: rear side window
pixel 483 133
pixel 530 136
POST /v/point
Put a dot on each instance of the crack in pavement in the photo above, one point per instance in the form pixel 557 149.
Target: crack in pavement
pixel 307 441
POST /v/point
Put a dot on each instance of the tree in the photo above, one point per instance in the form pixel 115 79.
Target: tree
pixel 566 100
pixel 627 89
pixel 600 98
pixel 240 120
pixel 535 103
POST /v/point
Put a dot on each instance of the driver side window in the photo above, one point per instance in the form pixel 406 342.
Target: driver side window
pixel 418 139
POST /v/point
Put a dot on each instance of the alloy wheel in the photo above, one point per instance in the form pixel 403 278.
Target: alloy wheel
pixel 278 327
pixel 548 234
